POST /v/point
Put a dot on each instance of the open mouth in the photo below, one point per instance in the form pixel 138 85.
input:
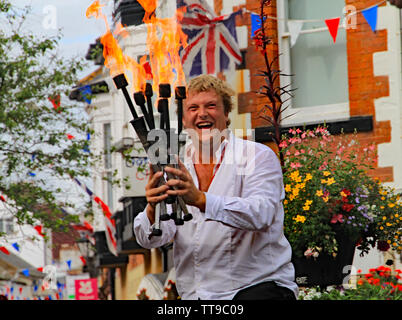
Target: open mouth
pixel 204 125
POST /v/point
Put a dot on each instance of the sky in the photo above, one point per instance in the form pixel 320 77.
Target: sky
pixel 78 32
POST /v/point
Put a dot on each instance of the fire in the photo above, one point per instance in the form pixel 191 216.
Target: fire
pixel 164 40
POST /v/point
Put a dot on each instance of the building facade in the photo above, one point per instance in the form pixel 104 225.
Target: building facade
pixel 353 84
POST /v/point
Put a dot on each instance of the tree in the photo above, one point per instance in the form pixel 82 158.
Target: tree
pixel 43 134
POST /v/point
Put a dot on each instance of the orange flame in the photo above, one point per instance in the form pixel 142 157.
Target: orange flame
pixel 164 40
pixel 94 10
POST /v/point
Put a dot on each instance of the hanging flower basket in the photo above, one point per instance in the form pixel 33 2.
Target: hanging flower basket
pixel 326 270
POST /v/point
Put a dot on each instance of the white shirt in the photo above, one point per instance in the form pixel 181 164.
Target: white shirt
pixel 238 241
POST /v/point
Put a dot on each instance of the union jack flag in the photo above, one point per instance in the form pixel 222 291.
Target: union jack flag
pixel 212 40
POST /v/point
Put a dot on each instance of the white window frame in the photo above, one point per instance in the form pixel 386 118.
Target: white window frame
pixel 304 115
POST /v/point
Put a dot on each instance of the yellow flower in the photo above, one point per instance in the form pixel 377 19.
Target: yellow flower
pixel 285 202
pixel 326 173
pixel 300 218
pixel 319 193
pixel 391 205
pixel 306 208
pixel 325 199
pixel 308 177
pixel 294 175
pixel 384 218
pixel 308 202
pixel 343 194
pixel 295 192
pixel 330 181
pixel 323 181
pixel 288 188
pixel 291 197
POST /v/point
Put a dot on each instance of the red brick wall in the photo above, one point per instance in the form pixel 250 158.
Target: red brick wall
pixel 364 87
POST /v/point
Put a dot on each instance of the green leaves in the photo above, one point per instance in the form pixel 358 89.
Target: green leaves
pixel 37 159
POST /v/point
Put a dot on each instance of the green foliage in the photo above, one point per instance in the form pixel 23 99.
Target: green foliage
pixel 34 143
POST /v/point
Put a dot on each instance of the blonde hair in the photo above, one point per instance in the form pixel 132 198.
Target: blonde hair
pixel 208 82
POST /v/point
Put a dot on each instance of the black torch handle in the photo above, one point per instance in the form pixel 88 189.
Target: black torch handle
pixel 148 94
pixel 130 103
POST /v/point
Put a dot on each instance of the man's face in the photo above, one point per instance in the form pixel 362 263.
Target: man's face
pixel 203 112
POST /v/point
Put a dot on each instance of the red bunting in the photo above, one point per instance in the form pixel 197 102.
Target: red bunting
pixel 148 70
pixel 55 102
pixel 2 198
pixel 40 269
pixel 69 136
pixel 4 250
pixel 84 262
pixel 88 226
pixel 39 230
pixel 333 25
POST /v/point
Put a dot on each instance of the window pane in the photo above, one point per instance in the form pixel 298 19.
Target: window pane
pixel 319 65
pixel 110 191
pixel 107 136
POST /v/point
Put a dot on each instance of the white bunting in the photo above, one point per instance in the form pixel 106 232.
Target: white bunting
pixel 294 29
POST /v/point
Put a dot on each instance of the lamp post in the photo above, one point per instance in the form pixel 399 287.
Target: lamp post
pixel 87 251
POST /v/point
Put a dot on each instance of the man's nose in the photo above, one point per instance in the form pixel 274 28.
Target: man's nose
pixel 202 112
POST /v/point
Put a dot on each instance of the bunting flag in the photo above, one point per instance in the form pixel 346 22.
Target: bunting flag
pixel 40 269
pixel 4 250
pixel 212 40
pixel 371 15
pixel 69 264
pixel 39 230
pixel 110 224
pixel 255 23
pixel 16 246
pixel 26 272
pixel 69 136
pixel 86 92
pixel 333 26
pixel 55 102
pixel 294 29
pixel 84 262
pixel 2 198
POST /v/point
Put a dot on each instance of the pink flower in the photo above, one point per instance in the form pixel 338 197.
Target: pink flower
pixel 323 166
pixel 283 144
pixel 304 134
pixel 337 218
pixel 295 165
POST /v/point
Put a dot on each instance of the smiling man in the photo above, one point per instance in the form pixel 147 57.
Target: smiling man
pixel 234 247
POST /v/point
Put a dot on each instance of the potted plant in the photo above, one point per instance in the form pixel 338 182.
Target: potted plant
pixel 333 205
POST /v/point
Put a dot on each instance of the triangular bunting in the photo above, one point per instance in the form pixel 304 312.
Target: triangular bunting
pixel 333 25
pixel 371 17
pixel 4 250
pixel 26 272
pixel 39 230
pixel 69 264
pixel 16 246
pixel 294 29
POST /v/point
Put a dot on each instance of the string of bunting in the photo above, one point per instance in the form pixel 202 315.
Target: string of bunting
pixel 332 24
pixel 110 224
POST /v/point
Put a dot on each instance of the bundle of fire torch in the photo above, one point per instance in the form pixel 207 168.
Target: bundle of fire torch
pixel 143 125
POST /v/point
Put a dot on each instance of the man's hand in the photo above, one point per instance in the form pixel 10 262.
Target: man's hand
pixel 185 187
pixel 397 3
pixel 154 193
